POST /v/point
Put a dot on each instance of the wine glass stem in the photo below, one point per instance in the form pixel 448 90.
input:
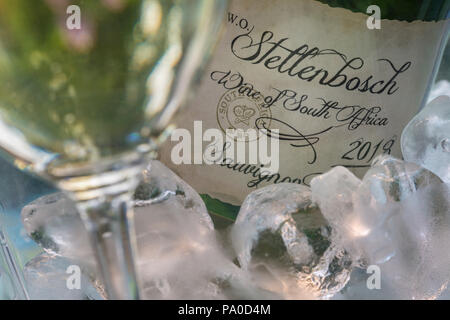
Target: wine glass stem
pixel 110 226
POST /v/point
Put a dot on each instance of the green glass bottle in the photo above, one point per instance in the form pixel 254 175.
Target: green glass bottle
pixel 338 79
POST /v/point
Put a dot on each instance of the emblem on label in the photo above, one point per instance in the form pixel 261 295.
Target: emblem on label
pixel 238 110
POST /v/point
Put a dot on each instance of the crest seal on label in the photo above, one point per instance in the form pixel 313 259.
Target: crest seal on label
pixel 238 110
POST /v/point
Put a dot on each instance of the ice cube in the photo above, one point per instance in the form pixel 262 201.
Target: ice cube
pixel 359 211
pixel 168 241
pixel 426 139
pixel 181 258
pixel 162 188
pixel 397 217
pixel 334 192
pixel 418 227
pixel 173 228
pixel 49 277
pixel 283 240
pixel 388 182
pixel 391 179
pixel 53 222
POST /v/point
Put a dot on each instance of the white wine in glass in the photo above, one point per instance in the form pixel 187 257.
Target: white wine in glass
pixel 86 89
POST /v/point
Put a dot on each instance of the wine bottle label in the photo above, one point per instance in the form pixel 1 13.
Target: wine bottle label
pixel 338 93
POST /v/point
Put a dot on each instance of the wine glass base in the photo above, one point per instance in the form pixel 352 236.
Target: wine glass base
pixel 103 195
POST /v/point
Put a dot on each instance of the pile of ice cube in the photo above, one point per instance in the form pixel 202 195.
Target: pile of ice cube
pixel 383 236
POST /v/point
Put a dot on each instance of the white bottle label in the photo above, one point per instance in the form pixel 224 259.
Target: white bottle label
pixel 338 92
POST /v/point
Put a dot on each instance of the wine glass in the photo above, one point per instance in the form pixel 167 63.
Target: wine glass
pixel 87 91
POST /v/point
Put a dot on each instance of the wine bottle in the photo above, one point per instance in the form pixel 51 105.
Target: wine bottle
pixel 338 79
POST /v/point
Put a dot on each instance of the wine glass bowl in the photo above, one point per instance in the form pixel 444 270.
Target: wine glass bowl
pixel 83 107
pixel 85 94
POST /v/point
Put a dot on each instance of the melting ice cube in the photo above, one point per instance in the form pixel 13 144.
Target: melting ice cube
pixel 50 277
pixel 397 217
pixel 426 139
pixel 178 255
pixel 283 240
